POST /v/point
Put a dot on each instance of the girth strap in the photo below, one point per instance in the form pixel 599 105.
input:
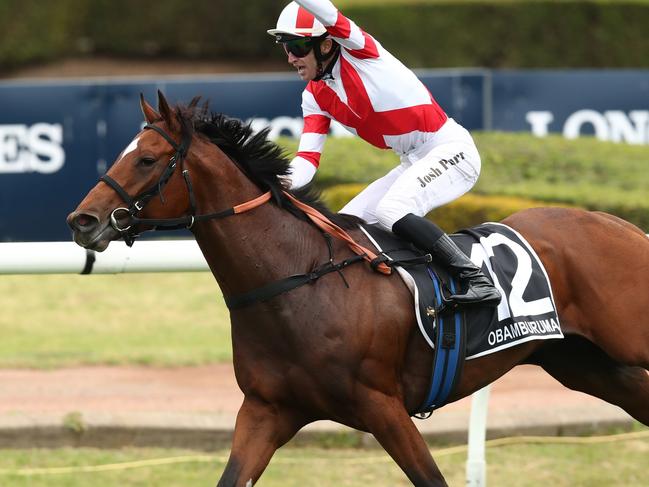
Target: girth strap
pixel 278 287
pixel 450 349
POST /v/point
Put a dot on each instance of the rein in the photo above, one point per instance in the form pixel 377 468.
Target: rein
pixel 137 203
pixel 331 228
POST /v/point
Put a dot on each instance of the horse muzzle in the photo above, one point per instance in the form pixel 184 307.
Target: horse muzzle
pixel 90 232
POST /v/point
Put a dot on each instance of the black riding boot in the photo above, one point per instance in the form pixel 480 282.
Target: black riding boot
pixel 428 237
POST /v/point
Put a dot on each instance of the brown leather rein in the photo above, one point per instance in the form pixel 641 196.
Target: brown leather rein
pixel 334 230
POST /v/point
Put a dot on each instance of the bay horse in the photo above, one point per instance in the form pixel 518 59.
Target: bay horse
pixel 353 353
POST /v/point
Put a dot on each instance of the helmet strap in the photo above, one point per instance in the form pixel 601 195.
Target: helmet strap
pixel 324 61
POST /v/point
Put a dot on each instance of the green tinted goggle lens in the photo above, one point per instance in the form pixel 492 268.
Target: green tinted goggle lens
pixel 298 47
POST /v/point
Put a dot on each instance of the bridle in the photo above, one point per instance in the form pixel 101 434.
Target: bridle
pixel 137 203
pixel 328 228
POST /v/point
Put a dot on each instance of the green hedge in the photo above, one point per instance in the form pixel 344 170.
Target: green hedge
pixel 473 209
pixel 197 29
pixel 512 34
pixel 469 210
pixel 450 33
pixel 584 172
pixel 33 31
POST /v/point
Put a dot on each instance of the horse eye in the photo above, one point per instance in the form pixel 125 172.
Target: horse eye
pixel 146 161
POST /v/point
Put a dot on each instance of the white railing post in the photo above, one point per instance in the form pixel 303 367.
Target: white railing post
pixel 476 463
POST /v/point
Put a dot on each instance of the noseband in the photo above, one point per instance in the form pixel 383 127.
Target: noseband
pixel 137 203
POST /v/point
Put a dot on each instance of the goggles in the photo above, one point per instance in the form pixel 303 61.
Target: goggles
pixel 299 47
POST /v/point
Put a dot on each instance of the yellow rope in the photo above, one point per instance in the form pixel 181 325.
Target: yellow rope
pixel 348 461
pixel 154 462
pixel 586 440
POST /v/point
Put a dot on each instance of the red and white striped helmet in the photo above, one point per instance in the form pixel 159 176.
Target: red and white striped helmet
pixel 297 21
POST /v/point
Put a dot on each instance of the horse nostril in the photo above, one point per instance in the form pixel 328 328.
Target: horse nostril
pixel 83 222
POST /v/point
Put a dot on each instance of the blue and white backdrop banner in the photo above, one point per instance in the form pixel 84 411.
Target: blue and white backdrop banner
pixel 58 137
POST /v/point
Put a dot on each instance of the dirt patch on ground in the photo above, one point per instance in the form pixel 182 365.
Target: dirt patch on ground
pixel 106 67
pixel 213 388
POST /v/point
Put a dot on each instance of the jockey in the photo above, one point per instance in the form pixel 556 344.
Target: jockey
pixel 352 79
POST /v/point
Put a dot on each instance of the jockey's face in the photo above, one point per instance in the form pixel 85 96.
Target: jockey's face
pixel 307 66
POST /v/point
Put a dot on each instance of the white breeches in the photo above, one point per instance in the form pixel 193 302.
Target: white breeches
pixel 443 174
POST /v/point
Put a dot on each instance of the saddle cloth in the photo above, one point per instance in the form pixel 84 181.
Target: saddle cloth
pixel 526 312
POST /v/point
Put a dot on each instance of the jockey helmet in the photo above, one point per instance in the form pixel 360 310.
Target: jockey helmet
pixel 295 21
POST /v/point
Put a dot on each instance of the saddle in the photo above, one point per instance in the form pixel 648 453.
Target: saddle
pixel 526 312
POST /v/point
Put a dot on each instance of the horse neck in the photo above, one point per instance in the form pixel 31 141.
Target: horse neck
pixel 247 250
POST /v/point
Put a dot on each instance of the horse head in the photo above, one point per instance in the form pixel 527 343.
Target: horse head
pixel 233 169
pixel 147 184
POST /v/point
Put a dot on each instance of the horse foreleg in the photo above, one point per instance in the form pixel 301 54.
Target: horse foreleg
pixel 387 419
pixel 261 428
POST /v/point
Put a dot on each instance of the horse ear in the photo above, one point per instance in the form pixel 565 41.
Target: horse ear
pixel 194 102
pixel 166 112
pixel 150 115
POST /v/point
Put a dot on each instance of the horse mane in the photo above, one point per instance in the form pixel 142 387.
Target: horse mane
pixel 262 160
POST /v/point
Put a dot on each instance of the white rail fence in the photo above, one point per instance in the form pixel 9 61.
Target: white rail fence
pixel 184 256
pixel 69 258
